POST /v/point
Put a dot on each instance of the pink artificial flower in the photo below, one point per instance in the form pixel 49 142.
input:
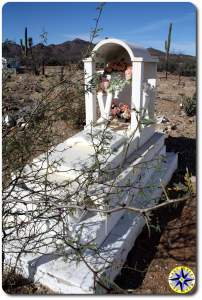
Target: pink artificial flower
pixel 128 73
pixel 126 115
pixel 123 107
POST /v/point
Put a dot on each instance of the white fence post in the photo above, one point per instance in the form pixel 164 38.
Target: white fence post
pixel 137 90
pixel 90 95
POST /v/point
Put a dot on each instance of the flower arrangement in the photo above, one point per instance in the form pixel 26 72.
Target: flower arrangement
pixel 120 110
pixel 117 82
pixel 115 67
pixel 116 75
pixel 119 67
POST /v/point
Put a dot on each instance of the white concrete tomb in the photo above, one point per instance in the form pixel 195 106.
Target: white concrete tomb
pixel 138 159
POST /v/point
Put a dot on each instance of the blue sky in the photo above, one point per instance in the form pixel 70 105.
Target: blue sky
pixel 138 22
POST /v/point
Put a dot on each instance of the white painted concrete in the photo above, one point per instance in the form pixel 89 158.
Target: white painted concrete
pixel 67 277
pixel 96 227
pixel 90 96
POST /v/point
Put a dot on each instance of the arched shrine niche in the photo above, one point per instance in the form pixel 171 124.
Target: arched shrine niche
pixel 113 64
pixel 124 80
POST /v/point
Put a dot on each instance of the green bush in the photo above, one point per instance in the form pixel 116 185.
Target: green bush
pixel 189 104
pixel 186 68
pixel 189 69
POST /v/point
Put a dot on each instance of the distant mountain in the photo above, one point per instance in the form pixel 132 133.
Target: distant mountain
pixel 10 49
pixel 70 51
pixel 155 52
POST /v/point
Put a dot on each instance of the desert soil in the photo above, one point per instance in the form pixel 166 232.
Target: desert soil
pixel 174 243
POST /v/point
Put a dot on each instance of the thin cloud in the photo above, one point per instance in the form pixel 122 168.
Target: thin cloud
pixel 176 47
pixel 158 24
pixel 150 27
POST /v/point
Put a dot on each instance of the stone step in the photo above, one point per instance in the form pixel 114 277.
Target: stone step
pixel 97 227
pixel 135 172
pixel 66 276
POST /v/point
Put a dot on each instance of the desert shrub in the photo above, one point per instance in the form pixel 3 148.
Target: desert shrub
pixel 189 104
pixel 161 66
pixel 172 66
pixel 189 69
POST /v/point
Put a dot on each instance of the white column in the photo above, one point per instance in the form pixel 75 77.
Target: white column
pixel 152 82
pixel 137 90
pixel 90 96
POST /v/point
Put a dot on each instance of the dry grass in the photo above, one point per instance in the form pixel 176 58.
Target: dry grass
pixel 13 284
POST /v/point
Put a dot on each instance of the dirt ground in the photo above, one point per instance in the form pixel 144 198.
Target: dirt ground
pixel 152 257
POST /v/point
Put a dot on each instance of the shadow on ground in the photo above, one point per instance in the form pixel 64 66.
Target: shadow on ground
pixel 186 149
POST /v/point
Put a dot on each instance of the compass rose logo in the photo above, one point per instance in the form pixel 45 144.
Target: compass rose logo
pixel 181 280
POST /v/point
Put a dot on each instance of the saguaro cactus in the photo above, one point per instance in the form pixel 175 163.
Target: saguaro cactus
pixel 27 43
pixel 167 48
pixel 30 42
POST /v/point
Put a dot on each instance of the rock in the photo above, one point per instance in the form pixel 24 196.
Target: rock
pixel 162 119
pixel 9 121
pixel 165 120
pixel 173 127
pixel 182 114
pixel 22 123
pixel 170 127
pixel 192 119
pixel 38 89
